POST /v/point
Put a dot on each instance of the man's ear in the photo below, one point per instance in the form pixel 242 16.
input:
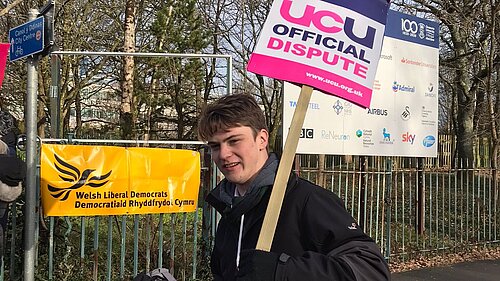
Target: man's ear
pixel 262 139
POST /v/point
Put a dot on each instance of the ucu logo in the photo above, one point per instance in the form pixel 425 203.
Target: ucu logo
pixel 327 21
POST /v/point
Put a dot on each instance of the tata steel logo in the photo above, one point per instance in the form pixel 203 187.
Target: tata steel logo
pixel 75 178
pixel 429 141
pixel 402 88
pixel 312 105
pixel 306 133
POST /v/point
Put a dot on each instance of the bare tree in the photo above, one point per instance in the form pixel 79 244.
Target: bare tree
pixel 127 118
pixel 463 69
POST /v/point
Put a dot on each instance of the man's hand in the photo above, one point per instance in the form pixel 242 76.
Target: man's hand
pixel 257 265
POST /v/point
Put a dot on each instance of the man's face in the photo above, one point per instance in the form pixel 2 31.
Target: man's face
pixel 238 154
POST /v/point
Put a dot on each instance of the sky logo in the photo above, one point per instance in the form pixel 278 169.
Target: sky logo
pixel 407 137
pixel 429 141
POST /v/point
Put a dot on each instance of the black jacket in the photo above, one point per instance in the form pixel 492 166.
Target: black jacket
pixel 314 229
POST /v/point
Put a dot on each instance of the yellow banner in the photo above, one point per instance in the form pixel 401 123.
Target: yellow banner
pixel 81 180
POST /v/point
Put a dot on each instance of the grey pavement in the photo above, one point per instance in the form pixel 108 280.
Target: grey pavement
pixel 486 270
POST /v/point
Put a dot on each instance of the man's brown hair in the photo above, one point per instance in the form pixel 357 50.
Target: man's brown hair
pixel 228 112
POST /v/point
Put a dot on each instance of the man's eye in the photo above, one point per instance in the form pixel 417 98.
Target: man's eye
pixel 232 142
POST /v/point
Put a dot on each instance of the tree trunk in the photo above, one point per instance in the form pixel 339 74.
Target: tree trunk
pixel 127 119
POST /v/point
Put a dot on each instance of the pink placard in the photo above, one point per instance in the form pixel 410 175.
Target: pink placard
pixel 4 51
pixel 331 45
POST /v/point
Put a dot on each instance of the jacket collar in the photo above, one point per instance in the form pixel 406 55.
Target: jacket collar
pixel 223 200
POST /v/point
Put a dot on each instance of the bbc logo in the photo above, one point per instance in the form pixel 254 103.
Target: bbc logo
pixel 307 133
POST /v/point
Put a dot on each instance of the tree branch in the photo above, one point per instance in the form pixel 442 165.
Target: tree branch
pixel 10 7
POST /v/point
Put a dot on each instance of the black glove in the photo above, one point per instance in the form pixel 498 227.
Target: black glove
pixel 12 170
pixel 257 265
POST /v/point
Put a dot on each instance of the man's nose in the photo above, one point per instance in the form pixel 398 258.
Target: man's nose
pixel 225 151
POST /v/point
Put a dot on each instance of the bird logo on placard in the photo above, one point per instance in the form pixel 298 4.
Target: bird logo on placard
pixel 71 174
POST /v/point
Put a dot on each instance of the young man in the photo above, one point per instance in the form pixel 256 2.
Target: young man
pixel 316 238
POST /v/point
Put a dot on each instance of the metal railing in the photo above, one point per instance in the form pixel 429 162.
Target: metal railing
pixel 408 206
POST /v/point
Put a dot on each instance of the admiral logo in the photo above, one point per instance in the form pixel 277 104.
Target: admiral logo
pixel 71 174
pixel 377 111
pixel 306 133
pixel 409 138
pixel 402 88
pixel 429 141
pixel 406 115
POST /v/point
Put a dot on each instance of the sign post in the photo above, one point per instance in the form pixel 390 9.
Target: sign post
pixel 276 199
pixel 31 153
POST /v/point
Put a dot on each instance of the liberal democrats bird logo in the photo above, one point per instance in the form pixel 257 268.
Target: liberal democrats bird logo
pixel 72 174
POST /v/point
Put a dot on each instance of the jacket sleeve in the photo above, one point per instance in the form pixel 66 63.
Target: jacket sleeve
pixel 356 261
pixel 337 248
pixel 215 268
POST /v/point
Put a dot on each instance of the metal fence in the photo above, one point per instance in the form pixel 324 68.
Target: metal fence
pixel 410 206
pixel 111 247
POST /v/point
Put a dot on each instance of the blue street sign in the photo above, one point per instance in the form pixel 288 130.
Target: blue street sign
pixel 26 39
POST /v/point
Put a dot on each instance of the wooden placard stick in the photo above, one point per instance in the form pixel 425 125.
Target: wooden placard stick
pixel 274 206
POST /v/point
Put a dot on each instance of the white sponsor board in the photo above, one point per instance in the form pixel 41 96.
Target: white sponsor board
pixel 403 117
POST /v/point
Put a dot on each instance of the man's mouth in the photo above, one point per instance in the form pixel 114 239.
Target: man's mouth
pixel 231 165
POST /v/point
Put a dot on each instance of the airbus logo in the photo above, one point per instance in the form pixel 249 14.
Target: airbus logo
pixel 77 179
pixel 377 111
